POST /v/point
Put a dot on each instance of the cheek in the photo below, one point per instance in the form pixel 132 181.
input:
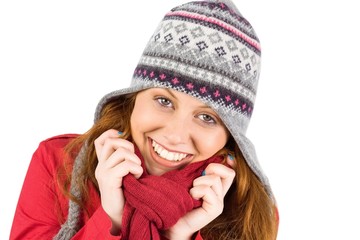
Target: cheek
pixel 143 119
pixel 138 119
pixel 209 144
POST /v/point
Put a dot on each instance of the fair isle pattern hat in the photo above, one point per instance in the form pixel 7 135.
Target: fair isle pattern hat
pixel 208 50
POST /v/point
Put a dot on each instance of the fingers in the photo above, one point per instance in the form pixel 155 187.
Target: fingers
pixel 127 167
pixel 230 160
pixel 212 204
pixel 116 157
pixel 119 155
pixel 113 175
pixel 224 173
pixel 207 184
pixel 108 142
pixel 212 188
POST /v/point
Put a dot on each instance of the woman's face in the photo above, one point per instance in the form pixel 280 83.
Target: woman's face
pixel 173 129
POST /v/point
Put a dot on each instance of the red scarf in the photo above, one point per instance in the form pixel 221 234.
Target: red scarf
pixel 156 203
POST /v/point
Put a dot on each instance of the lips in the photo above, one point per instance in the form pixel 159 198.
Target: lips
pixel 166 154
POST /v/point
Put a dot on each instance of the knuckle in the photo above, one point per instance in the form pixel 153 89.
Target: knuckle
pixel 126 164
pixel 211 166
pixel 207 190
pixel 232 173
pixel 97 142
pixel 219 209
pixel 130 145
pixel 98 173
pixel 107 141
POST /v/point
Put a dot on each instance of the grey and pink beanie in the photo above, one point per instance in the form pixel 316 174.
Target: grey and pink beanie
pixel 208 50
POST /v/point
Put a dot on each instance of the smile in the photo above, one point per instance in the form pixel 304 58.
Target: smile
pixel 168 155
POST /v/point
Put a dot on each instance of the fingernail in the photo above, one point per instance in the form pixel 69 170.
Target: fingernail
pixel 231 157
pixel 203 173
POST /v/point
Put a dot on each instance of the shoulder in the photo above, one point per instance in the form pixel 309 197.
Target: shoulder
pixel 51 150
pixel 46 160
pixel 58 141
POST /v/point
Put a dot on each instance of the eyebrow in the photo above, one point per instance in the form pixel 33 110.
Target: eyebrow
pixel 168 90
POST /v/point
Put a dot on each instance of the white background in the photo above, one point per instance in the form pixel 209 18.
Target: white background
pixel 57 59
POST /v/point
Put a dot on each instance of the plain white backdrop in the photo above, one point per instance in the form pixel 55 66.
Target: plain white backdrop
pixel 58 58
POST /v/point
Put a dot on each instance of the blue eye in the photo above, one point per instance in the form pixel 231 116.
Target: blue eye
pixel 207 118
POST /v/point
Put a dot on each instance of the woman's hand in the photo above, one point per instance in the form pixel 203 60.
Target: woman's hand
pixel 116 159
pixel 211 188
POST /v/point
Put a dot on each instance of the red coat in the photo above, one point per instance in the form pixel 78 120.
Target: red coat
pixel 42 207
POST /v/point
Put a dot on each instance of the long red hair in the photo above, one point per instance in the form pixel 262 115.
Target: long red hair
pixel 249 212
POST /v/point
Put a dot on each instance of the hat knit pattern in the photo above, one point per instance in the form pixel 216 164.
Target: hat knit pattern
pixel 208 50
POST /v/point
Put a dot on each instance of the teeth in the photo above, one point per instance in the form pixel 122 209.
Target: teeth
pixel 171 156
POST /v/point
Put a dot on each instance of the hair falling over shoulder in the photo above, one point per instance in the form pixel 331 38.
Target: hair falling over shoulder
pixel 249 212
pixel 115 115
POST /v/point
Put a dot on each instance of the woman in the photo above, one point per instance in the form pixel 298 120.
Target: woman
pixel 166 158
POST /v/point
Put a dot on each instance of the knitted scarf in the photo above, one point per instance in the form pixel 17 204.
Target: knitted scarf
pixel 156 203
pixel 153 203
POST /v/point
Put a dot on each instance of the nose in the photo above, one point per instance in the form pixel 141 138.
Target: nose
pixel 178 130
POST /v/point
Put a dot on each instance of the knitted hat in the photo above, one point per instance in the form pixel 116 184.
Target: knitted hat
pixel 208 50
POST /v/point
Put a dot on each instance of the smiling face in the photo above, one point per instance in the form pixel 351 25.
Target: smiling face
pixel 173 129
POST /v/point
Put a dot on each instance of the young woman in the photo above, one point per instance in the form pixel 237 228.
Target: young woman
pixel 166 158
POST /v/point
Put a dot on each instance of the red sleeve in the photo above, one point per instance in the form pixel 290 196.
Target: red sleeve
pixel 41 206
pixel 35 217
pixel 98 227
